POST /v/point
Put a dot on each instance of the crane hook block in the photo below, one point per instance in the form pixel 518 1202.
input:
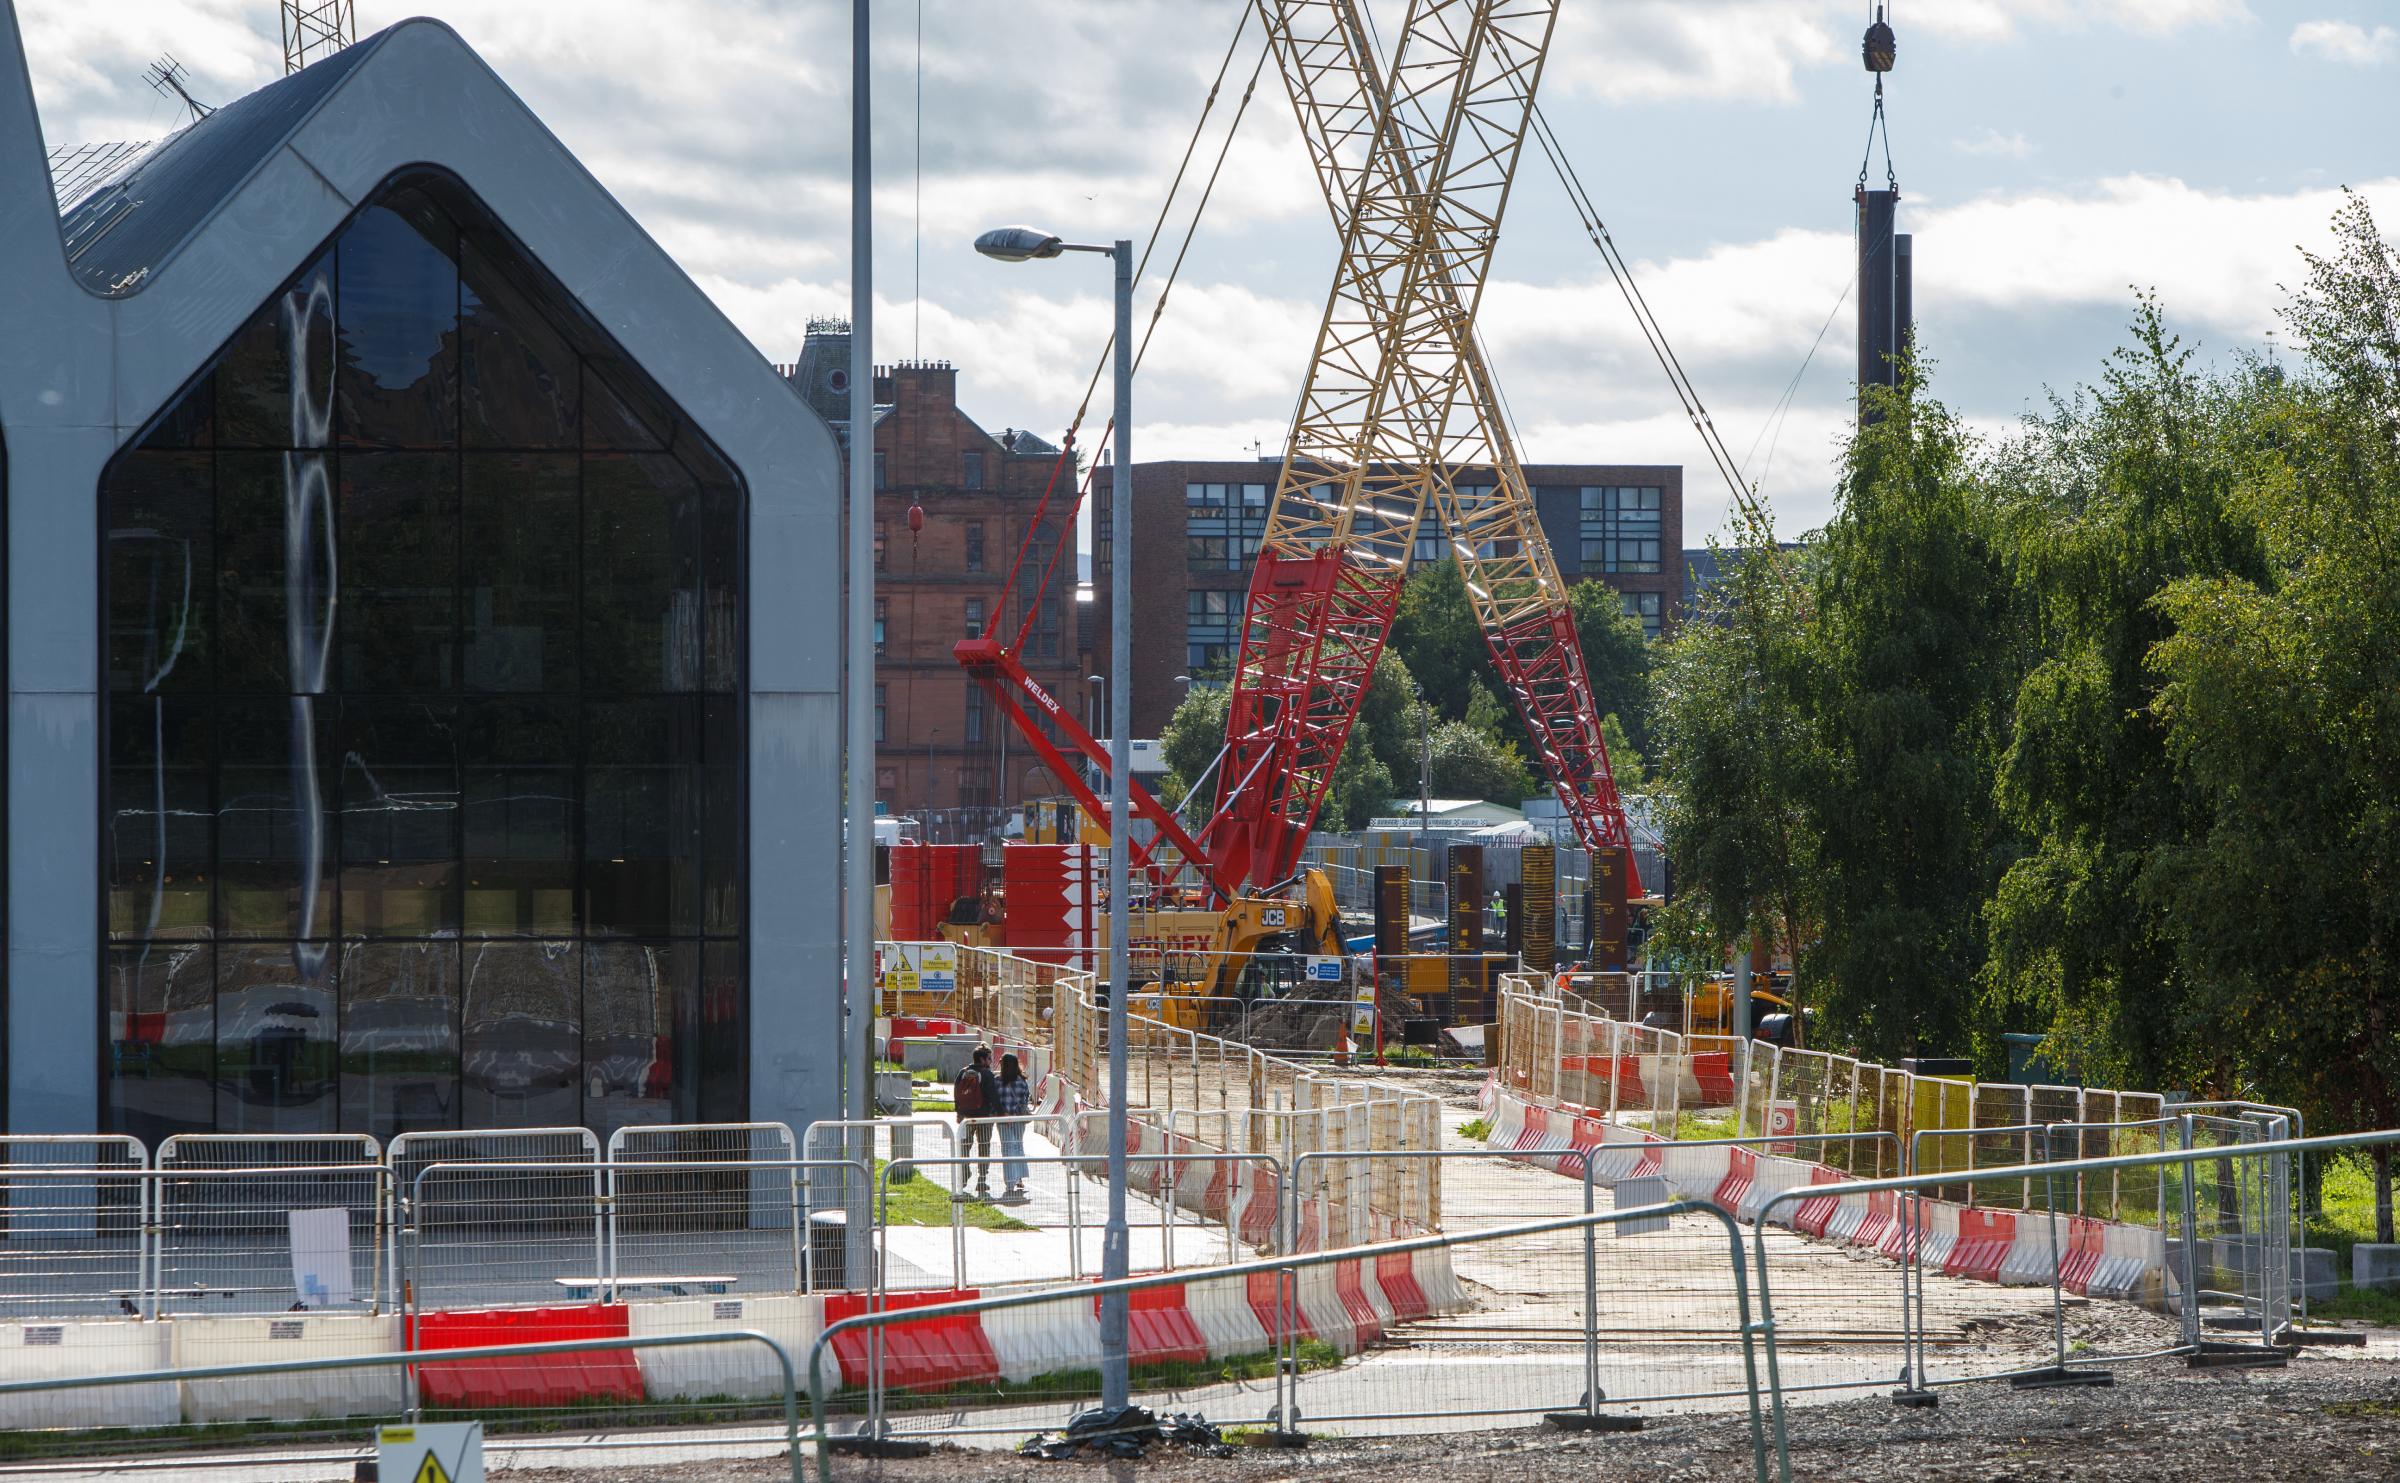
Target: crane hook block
pixel 1880 48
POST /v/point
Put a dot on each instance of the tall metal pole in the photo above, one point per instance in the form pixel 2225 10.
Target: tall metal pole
pixel 1115 1257
pixel 858 867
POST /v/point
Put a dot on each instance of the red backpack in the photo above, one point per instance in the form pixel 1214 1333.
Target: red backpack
pixel 966 1094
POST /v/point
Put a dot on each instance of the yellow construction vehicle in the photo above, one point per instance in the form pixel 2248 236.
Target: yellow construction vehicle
pixel 1195 968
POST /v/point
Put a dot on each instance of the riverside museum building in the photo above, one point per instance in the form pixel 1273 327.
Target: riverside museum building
pixel 422 636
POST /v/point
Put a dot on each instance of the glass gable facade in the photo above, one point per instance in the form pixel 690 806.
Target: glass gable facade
pixel 423 797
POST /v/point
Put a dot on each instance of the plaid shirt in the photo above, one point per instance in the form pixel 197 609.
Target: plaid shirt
pixel 1016 1097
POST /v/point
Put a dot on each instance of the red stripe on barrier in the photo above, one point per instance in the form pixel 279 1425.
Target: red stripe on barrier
pixel 1881 1206
pixel 1266 1197
pixel 1983 1241
pixel 1397 1276
pixel 1628 1075
pixel 1356 1303
pixel 1740 1168
pixel 536 1380
pixel 1159 1327
pixel 2086 1241
pixel 1713 1070
pixel 922 1354
pixel 1281 1316
pixel 1812 1215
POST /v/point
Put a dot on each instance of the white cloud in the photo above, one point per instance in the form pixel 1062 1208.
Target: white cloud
pixel 1744 51
pixel 1994 20
pixel 1991 142
pixel 2341 41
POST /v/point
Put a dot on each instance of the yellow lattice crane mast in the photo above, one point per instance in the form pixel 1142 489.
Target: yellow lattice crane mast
pixel 1399 412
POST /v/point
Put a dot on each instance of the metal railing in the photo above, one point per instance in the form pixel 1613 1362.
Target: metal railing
pixel 2186 1292
pixel 1011 1412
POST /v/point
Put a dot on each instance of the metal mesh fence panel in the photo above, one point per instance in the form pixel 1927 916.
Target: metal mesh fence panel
pixel 71 1242
pixel 531 1230
pixel 234 1213
pixel 688 1230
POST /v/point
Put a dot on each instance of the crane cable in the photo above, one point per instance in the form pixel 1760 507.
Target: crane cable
pixel 1108 347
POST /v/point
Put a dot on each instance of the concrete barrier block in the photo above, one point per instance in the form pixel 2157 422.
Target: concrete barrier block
pixel 2373 1264
pixel 2313 1273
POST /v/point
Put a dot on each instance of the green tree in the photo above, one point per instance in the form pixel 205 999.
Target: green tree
pixel 2114 494
pixel 1632 773
pixel 1190 741
pixel 1617 655
pixel 1737 753
pixel 1472 763
pixel 2280 699
pixel 1436 633
pixel 1913 656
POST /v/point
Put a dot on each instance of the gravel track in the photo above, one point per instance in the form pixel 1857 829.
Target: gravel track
pixel 2331 1415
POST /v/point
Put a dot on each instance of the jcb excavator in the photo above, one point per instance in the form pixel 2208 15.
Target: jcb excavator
pixel 1195 968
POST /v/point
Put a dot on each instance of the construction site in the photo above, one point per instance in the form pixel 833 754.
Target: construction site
pixel 563 920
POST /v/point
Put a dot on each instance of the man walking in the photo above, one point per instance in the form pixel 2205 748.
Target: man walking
pixel 975 1096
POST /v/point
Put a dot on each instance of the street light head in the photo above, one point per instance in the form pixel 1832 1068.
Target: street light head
pixel 1018 244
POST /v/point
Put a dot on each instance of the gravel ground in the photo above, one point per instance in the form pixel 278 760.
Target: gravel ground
pixel 2330 1415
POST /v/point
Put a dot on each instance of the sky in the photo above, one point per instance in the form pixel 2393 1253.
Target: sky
pixel 2054 157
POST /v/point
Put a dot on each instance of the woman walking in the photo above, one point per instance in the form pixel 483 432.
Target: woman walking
pixel 1016 1100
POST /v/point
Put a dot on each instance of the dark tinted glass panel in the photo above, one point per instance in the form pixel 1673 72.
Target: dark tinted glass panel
pixel 162 1039
pixel 523 544
pixel 424 658
pixel 159 871
pixel 721 815
pixel 721 583
pixel 523 1058
pixel 400 1019
pixel 191 422
pixel 276 572
pixel 261 401
pixel 519 817
pixel 641 1033
pixel 724 1035
pixel 162 571
pixel 641 818
pixel 399 326
pixel 399 571
pixel 276 1052
pixel 275 789
pixel 617 420
pixel 521 383
pixel 641 575
pixel 400 818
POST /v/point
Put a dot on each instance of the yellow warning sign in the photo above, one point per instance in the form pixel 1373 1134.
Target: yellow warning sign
pixel 450 1452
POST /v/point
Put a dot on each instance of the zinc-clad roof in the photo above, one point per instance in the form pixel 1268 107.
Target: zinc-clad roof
pixel 119 235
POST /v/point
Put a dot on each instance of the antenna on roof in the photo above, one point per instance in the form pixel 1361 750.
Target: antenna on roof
pixel 166 75
pixel 316 29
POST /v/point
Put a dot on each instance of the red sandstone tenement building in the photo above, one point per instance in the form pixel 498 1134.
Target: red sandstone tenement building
pixel 1197 526
pixel 944 753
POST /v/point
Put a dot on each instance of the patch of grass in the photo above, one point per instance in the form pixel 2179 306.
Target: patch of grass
pixel 1408 1055
pixel 922 1073
pixel 933 1104
pixel 2376 1305
pixel 1479 1130
pixel 1690 1125
pixel 2364 1410
pixel 921 1202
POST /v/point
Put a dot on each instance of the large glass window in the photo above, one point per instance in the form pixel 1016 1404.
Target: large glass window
pixel 423 741
pixel 1620 529
pixel 1211 617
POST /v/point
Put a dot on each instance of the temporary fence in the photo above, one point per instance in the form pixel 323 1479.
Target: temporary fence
pixel 2231 1177
pixel 1564 1049
pixel 1260 1343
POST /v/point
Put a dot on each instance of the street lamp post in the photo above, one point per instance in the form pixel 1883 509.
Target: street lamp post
pixel 1016 245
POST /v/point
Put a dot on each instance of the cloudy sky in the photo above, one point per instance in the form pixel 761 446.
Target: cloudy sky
pixel 2052 154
